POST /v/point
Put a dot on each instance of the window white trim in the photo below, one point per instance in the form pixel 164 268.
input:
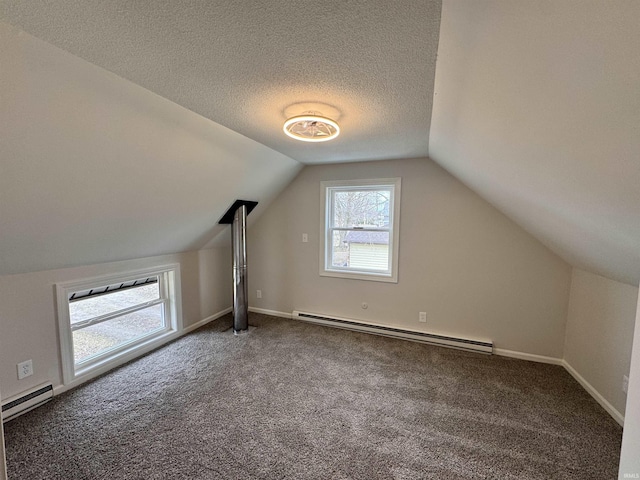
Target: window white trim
pixel 169 276
pixel 326 269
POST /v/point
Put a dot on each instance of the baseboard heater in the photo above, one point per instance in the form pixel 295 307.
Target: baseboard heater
pixel 423 337
pixel 26 401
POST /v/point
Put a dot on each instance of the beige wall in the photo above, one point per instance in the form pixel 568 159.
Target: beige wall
pixel 600 333
pixel 630 454
pixel 28 326
pixel 470 268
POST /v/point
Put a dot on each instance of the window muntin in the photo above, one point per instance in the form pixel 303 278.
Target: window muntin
pixel 106 321
pixel 361 229
pixel 90 306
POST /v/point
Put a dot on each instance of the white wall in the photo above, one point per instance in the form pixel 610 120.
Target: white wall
pixel 97 169
pixel 470 268
pixel 536 108
pixel 599 333
pixel 28 327
pixel 630 453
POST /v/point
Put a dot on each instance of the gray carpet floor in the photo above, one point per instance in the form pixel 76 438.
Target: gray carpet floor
pixel 293 400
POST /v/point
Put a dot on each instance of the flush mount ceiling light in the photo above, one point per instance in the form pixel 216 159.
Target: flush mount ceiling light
pixel 311 127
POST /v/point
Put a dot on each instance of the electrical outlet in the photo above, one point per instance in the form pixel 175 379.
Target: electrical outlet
pixel 625 383
pixel 259 293
pixel 422 317
pixel 25 369
pixel 305 238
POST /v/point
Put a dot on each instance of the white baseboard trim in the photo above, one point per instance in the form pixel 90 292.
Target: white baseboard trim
pixel 273 313
pixel 617 416
pixel 204 321
pixel 58 389
pixel 527 356
pixel 611 410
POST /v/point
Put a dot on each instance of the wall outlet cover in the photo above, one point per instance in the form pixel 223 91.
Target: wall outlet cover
pixel 25 369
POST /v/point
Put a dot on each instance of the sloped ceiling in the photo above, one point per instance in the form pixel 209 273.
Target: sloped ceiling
pixel 94 168
pixel 251 65
pixel 537 108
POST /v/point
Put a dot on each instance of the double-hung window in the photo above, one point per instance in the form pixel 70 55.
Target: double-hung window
pixel 360 226
pixel 106 321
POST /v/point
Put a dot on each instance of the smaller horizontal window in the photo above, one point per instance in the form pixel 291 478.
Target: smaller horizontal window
pixel 103 319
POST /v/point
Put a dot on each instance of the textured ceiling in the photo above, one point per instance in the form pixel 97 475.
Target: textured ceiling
pixel 535 104
pixel 370 64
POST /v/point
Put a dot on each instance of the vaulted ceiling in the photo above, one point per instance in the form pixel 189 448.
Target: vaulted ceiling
pixel 537 108
pixel 535 103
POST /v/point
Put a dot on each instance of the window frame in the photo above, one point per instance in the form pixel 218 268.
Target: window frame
pixel 326 229
pixel 170 297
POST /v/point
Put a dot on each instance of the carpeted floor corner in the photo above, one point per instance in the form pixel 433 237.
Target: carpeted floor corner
pixel 298 401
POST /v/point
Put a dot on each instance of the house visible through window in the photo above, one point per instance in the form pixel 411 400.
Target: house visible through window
pixel 361 229
pixel 102 320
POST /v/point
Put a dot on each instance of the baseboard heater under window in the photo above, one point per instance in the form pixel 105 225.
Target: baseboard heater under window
pixel 26 401
pixel 430 338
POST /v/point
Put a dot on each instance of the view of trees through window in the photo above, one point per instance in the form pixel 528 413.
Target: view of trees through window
pixel 360 228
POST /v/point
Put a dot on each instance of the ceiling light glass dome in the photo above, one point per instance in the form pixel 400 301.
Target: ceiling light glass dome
pixel 311 127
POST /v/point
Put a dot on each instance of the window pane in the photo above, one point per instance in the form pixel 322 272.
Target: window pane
pixel 104 336
pixel 339 250
pixel 361 208
pixel 91 307
pixel 368 250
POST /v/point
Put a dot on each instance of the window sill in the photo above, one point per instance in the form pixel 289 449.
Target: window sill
pixel 369 277
pixel 134 351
